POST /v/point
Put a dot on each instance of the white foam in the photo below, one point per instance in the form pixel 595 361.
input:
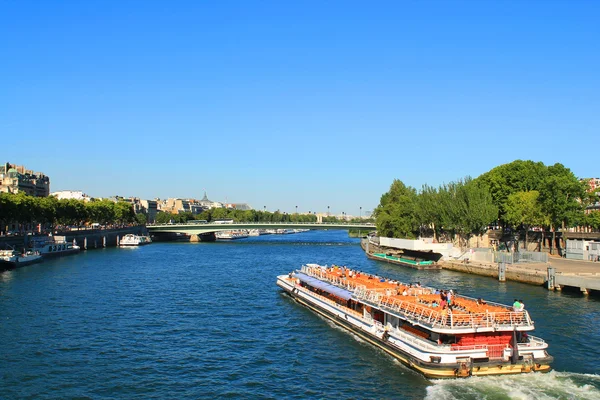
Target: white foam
pixel 554 385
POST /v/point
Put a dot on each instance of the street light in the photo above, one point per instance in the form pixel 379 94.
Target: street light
pixel 360 212
pixel 265 208
pixel 328 211
pixel 296 209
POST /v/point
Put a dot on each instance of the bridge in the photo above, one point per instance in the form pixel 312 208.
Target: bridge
pixel 200 228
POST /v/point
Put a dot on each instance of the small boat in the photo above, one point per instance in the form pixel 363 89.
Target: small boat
pixel 54 246
pixel 130 240
pixel 10 259
pixel 231 235
pixel 412 323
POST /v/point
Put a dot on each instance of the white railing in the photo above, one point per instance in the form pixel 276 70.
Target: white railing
pixel 420 313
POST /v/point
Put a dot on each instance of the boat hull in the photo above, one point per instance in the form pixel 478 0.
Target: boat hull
pixel 4 265
pixel 430 370
pixel 404 264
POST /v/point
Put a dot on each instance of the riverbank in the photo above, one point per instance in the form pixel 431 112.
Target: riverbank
pixel 557 274
pixel 87 239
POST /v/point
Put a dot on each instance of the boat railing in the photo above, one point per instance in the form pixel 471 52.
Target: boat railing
pixel 435 318
pixel 533 341
pixel 442 318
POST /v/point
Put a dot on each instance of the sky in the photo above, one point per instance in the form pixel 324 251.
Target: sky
pixel 282 104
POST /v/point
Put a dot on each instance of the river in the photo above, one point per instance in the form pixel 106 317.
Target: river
pixel 206 320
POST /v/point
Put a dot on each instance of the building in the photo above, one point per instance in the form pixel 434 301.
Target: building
pixel 71 194
pixel 174 206
pixel 17 179
pixel 594 184
pixel 207 204
pixel 238 206
pixel 150 209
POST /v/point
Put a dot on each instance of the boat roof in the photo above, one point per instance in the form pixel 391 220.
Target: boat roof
pixel 418 305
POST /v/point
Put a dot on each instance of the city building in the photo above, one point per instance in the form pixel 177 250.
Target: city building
pixel 17 179
pixel 207 204
pixel 594 183
pixel 174 206
pixel 71 194
pixel 238 206
pixel 150 209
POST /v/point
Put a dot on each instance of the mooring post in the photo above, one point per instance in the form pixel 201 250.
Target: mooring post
pixel 502 272
pixel 551 278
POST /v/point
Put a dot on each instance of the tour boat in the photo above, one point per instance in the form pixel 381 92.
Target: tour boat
pixel 54 246
pixel 134 240
pixel 410 322
pixel 10 259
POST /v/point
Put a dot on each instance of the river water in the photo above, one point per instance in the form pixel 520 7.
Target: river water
pixel 206 320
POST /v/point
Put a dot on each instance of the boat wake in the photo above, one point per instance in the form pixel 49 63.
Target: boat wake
pixel 553 385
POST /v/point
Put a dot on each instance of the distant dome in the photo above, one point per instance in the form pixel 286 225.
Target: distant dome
pixel 13 172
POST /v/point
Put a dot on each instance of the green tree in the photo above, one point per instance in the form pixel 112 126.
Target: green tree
pixel 163 217
pixel 141 219
pixel 523 209
pixel 396 213
pixel 517 176
pixel 561 196
pixel 593 220
pixel 123 212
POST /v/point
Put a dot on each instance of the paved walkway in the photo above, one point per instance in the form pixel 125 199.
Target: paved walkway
pixel 564 266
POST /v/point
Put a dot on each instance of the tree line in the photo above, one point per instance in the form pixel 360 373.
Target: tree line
pixel 215 214
pixel 519 195
pixel 21 209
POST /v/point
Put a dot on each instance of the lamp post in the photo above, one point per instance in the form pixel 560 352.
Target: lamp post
pixel 328 211
pixel 265 208
pixel 296 209
pixel 360 212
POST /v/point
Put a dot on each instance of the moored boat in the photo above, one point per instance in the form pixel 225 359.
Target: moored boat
pixel 10 259
pixel 412 323
pixel 231 235
pixel 54 246
pixel 415 263
pixel 131 240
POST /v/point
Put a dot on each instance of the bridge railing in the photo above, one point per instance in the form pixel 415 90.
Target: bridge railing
pixel 366 224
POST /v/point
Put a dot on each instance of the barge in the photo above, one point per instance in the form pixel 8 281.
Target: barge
pixel 470 337
pixel 404 261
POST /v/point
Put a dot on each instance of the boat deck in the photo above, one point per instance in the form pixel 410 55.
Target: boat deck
pixel 420 303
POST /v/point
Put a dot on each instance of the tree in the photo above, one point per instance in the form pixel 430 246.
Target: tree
pixel 141 219
pixel 428 209
pixel 561 196
pixel 506 179
pixel 124 212
pixel 523 209
pixel 396 213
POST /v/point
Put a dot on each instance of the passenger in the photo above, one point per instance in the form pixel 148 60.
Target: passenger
pixel 516 305
pixel 404 293
pixel 522 305
pixel 444 304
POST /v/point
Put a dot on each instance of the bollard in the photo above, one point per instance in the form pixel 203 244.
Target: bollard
pixel 551 278
pixel 502 272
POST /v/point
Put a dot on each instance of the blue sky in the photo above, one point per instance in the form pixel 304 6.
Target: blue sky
pixel 283 104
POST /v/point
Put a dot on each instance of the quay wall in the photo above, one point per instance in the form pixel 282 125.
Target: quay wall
pixel 87 239
pixel 513 273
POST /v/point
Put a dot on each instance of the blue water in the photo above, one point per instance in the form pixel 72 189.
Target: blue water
pixel 206 320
